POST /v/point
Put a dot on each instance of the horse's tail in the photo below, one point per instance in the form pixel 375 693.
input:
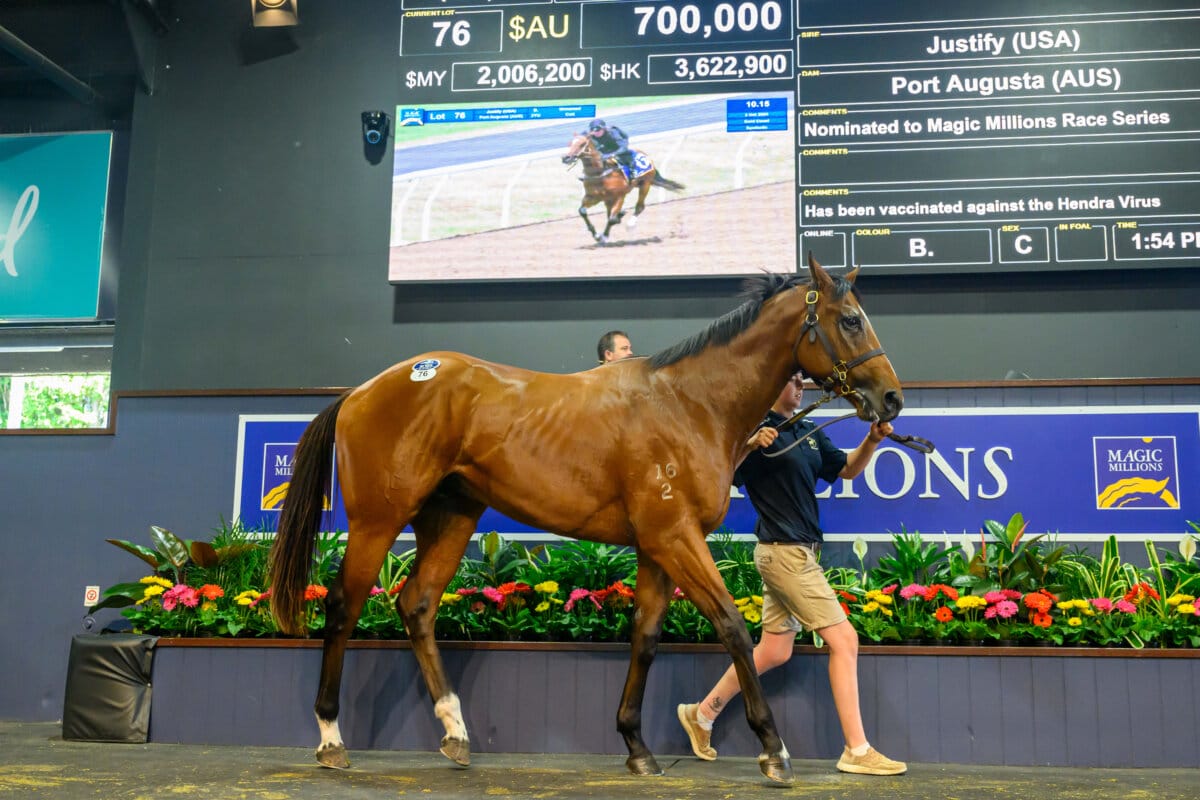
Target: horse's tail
pixel 668 184
pixel 291 554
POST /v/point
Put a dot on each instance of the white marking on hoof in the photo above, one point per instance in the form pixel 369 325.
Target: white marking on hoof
pixel 330 735
pixel 449 712
pixel 632 221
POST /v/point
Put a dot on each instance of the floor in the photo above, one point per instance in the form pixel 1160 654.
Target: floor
pixel 36 763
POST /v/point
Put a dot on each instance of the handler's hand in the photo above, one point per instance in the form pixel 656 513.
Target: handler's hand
pixel 879 431
pixel 763 437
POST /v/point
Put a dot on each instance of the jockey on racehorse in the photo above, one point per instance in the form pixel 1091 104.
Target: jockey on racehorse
pixel 612 143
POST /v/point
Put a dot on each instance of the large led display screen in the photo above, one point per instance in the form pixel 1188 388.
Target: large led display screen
pixel 906 138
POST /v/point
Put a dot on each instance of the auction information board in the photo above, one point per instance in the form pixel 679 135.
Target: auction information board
pixel 970 136
pixel 945 136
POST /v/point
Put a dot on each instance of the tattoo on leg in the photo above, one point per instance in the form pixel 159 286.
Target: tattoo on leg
pixel 717 704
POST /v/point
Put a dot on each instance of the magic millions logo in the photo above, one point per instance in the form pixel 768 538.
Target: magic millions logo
pixel 1136 472
pixel 277 475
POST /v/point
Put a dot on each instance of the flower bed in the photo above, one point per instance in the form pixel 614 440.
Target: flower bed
pixel 1011 589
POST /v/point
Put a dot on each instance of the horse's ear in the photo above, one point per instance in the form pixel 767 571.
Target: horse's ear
pixel 851 275
pixel 820 277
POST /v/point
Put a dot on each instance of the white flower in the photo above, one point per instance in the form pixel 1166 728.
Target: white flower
pixel 968 547
pixel 1187 547
pixel 860 548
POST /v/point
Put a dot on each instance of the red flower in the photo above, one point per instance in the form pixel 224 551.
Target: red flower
pixel 1042 620
pixel 943 614
pixel 940 588
pixel 1139 592
pixel 847 596
pixel 314 592
pixel 513 587
pixel 395 590
pixel 1037 602
pixel 210 591
pixel 890 589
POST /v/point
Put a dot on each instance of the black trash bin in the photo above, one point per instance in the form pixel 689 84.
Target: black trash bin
pixel 108 688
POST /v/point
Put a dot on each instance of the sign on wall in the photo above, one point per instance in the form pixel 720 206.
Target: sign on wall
pixel 53 196
pixel 1084 473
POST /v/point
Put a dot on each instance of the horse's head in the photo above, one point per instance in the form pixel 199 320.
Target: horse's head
pixel 580 145
pixel 837 347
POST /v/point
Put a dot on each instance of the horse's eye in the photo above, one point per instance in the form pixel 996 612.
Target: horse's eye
pixel 852 323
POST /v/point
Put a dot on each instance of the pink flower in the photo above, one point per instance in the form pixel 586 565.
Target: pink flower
pixel 913 590
pixel 1010 594
pixel 990 613
pixel 1125 607
pixel 376 590
pixel 1102 603
pixel 994 597
pixel 1006 608
pixel 494 595
pixel 467 591
pixel 579 594
pixel 180 593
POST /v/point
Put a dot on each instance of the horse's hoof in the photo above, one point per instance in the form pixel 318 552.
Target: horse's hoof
pixel 631 222
pixel 643 765
pixel 777 768
pixel 333 756
pixel 457 750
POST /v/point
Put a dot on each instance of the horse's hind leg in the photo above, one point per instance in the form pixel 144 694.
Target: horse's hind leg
pixel 651 598
pixel 366 549
pixel 646 181
pixel 442 528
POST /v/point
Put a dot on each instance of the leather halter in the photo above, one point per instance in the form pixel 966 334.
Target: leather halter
pixel 836 382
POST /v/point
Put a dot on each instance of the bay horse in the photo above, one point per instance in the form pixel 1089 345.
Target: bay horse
pixel 605 181
pixel 640 453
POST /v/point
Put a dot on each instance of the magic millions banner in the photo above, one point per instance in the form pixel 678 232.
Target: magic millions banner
pixel 53 200
pixel 1083 473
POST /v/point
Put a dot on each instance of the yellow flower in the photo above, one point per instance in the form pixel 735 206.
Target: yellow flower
pixel 450 598
pixel 1074 622
pixel 542 606
pixel 546 587
pixel 1177 599
pixel 887 612
pixel 247 597
pixel 151 591
pixel 752 615
pixel 208 605
pixel 968 602
pixel 1186 608
pixel 757 598
pixel 157 581
pixel 1066 605
pixel 871 606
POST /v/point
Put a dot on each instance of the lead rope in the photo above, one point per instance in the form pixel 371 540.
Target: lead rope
pixel 911 442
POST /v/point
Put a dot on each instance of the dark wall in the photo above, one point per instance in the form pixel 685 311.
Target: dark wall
pixel 255 249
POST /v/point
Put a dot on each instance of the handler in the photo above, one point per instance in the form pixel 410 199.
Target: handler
pixel 796 594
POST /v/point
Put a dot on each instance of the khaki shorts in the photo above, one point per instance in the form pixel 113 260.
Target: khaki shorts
pixel 796 594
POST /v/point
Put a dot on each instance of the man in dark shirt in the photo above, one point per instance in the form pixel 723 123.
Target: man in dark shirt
pixel 796 594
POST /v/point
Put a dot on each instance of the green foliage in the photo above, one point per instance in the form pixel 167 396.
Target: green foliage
pixel 912 560
pixel 1012 588
pixel 735 562
pixel 61 401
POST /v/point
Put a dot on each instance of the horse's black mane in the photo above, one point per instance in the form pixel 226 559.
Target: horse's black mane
pixel 756 291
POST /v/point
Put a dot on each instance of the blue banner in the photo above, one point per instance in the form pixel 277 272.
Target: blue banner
pixel 53 196
pixel 1083 473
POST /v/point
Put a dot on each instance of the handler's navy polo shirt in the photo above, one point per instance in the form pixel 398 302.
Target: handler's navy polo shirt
pixel 783 489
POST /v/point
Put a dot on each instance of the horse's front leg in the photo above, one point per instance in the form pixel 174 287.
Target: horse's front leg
pixel 650 602
pixel 365 550
pixel 687 558
pixel 442 530
pixel 584 213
